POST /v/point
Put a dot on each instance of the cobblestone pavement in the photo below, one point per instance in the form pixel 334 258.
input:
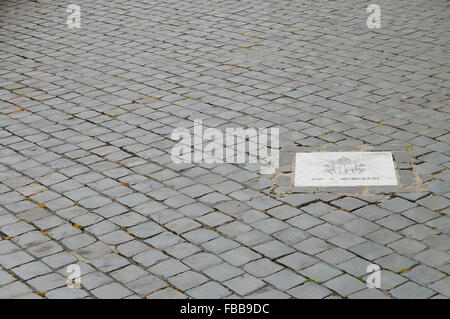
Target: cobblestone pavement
pixel 86 175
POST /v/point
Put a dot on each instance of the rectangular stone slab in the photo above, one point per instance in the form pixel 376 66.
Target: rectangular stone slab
pixel 322 169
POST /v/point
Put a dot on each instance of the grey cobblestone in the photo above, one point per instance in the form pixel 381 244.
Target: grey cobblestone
pixel 345 285
pixel 244 284
pixel 146 285
pixel 412 290
pixel 309 290
pixel 86 174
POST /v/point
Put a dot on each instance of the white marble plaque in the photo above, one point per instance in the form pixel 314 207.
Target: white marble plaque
pixel 321 169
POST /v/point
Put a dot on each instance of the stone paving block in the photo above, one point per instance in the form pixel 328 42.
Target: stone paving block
pixel 111 210
pixel 412 290
pixel 71 212
pixel 109 262
pixel 47 282
pixel 418 232
pixel 234 229
pixel 345 285
pixel 197 190
pixel 397 205
pixel 335 256
pixel 284 212
pixel 369 294
pixel 48 222
pixel 16 229
pixel 45 249
pixel 356 266
pixel 87 220
pixel 297 261
pixel 14 290
pixel 304 221
pixel 165 216
pixel 245 284
pixel 349 203
pixel 326 231
pixel 213 198
pixel 320 272
pixel 309 290
pixel 214 219
pixel 395 222
pixel 128 219
pixel 395 262
pixel 440 242
pixel 299 200
pixel 102 228
pixel 441 223
pixel 199 236
pixel 442 286
pixel 31 270
pixel 424 274
pixel 361 227
pixel 220 245
pixel 291 236
pixel 407 246
pixel 164 240
pixel 268 293
pixel 370 250
pixel 372 212
pixel 66 293
pixel 145 230
pixel 346 240
pixel 390 280
pixel 239 256
pixel 232 207
pixel 78 241
pixel 318 209
pixel 178 201
pixel 253 237
pixel 111 291
pixel 94 280
pixel 210 290
pixel 5 278
pixel 95 250
pixel 187 280
pixel 227 187
pixel 128 273
pixel 182 225
pixel 88 162
pixel 7 219
pixel 285 279
pixel 194 210
pixel 338 217
pixel 167 293
pixel 273 249
pixel 384 236
pixel 262 268
pixel 202 261
pixel 132 248
pixel 146 285
pixel 7 247
pixel 182 250
pixel 34 213
pixel 116 237
pixel 14 259
pixel 312 245
pixel 58 260
pixel 149 257
pixel 434 203
pixel 432 257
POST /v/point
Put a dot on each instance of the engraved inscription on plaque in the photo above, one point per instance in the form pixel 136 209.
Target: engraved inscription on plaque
pixel 321 169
